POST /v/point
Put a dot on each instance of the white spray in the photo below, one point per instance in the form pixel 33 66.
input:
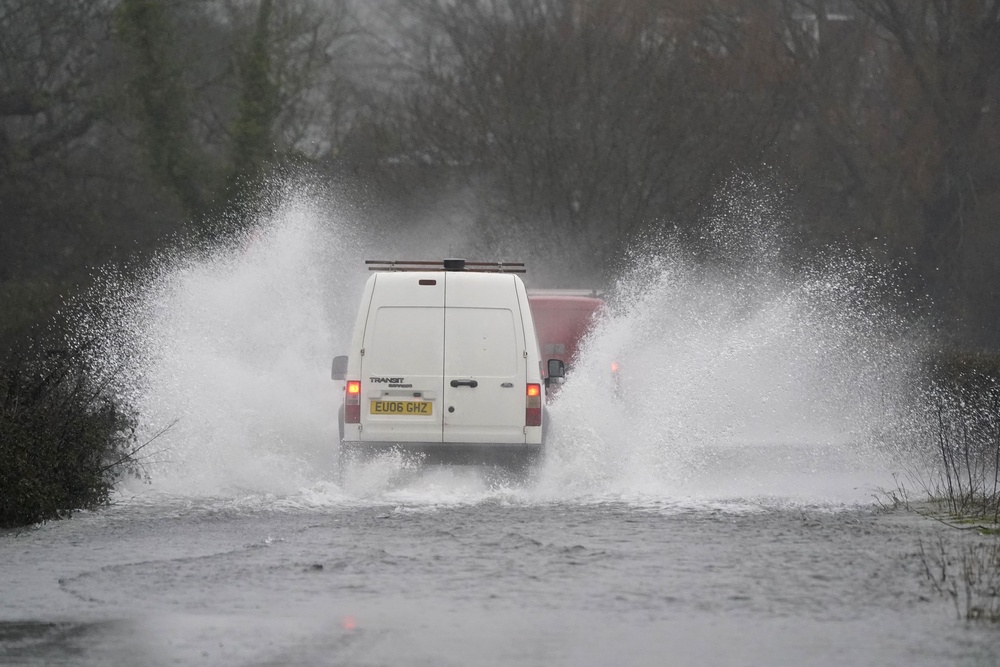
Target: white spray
pixel 739 377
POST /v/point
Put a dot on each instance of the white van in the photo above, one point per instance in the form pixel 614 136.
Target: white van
pixel 444 362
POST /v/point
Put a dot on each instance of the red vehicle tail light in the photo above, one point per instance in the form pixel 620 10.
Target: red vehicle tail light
pixel 533 405
pixel 352 402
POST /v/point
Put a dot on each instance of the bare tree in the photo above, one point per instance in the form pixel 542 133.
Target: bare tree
pixel 56 85
pixel 933 139
pixel 592 119
pixel 118 120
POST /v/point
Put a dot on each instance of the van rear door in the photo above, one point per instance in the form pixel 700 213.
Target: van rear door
pixel 404 354
pixel 485 370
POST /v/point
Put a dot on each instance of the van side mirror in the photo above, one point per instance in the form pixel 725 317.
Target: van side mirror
pixel 339 369
pixel 556 368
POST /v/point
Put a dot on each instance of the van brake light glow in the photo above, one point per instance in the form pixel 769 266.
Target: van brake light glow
pixel 533 405
pixel 352 402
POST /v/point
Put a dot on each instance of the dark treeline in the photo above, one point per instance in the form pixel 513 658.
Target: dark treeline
pixel 593 122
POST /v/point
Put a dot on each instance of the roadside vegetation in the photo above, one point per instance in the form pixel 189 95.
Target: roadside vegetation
pixel 962 489
pixel 968 575
pixel 65 440
pixel 963 408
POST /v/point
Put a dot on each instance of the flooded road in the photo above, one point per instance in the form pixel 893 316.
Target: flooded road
pixel 445 571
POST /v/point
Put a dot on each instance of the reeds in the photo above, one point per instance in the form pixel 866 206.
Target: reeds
pixel 964 410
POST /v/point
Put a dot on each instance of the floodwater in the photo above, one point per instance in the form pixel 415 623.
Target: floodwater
pixel 721 505
pixel 447 572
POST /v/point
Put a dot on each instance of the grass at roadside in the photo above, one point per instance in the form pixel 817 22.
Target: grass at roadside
pixel 968 574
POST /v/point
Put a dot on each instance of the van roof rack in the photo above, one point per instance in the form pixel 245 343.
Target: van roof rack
pixel 590 293
pixel 450 264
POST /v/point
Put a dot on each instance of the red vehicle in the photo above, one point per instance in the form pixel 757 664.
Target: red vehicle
pixel 562 318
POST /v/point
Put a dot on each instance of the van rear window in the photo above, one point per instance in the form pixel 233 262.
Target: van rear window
pixel 406 341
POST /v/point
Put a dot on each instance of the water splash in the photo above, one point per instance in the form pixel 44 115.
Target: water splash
pixel 744 373
pixel 229 351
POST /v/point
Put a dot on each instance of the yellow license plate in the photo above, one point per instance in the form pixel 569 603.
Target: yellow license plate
pixel 401 408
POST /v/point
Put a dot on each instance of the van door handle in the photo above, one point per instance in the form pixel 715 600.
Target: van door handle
pixel 464 383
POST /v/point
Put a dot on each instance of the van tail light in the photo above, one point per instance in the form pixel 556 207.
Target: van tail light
pixel 352 402
pixel 533 405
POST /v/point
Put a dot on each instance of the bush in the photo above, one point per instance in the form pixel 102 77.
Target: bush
pixel 65 439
